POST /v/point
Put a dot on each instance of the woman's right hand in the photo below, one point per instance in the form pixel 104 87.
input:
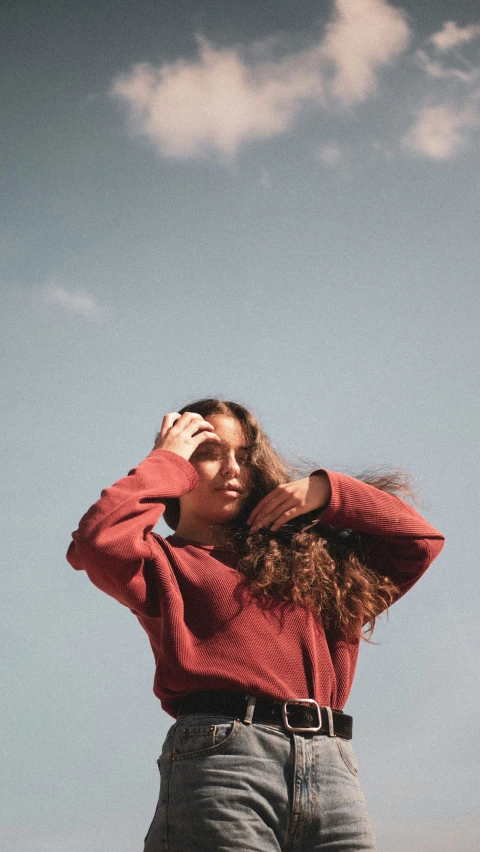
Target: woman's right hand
pixel 182 434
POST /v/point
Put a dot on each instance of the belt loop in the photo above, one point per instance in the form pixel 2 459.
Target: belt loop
pixel 251 701
pixel 331 729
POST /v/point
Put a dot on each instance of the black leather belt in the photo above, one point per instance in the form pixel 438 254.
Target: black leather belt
pixel 297 715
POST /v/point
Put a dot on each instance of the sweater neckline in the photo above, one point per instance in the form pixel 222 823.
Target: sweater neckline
pixel 190 542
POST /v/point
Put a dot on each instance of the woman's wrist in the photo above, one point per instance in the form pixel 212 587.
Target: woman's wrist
pixel 324 488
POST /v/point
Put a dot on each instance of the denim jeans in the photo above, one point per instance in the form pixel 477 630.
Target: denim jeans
pixel 231 787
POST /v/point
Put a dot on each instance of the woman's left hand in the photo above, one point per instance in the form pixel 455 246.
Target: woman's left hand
pixel 291 500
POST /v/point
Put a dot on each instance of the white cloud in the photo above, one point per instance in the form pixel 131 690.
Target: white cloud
pixel 364 36
pixel 219 101
pixel 436 70
pixel 75 301
pixel 451 36
pixel 439 132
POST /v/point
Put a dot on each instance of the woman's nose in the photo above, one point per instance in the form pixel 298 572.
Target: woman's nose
pixel 230 465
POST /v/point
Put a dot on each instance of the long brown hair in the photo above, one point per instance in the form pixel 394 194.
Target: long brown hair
pixel 304 562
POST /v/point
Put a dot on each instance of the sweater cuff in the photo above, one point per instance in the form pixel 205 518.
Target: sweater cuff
pixel 328 513
pixel 180 468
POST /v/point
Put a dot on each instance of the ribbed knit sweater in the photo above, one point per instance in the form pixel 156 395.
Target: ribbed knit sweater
pixel 206 630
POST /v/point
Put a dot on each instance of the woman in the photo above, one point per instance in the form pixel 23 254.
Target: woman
pixel 254 609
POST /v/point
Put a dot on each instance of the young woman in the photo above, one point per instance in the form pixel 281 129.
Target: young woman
pixel 254 608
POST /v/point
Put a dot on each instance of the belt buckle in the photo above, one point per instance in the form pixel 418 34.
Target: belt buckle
pixel 301 702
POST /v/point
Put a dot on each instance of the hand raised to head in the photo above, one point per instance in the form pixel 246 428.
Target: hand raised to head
pixel 182 434
pixel 290 500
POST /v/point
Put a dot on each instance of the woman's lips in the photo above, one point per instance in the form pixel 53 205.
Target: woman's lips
pixel 230 490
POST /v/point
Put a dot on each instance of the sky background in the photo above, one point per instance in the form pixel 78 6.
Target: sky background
pixel 274 202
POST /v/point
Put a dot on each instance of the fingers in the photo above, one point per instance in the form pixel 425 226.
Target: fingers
pixel 204 435
pixel 168 422
pixel 290 500
pixel 189 422
pixel 293 512
pixel 285 502
pixel 276 516
pixel 192 424
pixel 268 504
pixel 261 512
pixel 182 434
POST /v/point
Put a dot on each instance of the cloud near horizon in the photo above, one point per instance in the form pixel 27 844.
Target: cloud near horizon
pixel 220 101
pixel 74 301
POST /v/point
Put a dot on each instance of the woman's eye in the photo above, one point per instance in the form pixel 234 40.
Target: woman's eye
pixel 216 454
pixel 207 454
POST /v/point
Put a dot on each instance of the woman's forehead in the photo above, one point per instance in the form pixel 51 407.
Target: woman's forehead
pixel 229 429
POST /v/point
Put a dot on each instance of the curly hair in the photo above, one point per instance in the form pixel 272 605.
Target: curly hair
pixel 304 562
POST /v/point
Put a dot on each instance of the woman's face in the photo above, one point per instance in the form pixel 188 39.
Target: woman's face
pixel 223 475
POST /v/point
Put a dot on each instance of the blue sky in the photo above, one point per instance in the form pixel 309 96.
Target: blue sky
pixel 277 203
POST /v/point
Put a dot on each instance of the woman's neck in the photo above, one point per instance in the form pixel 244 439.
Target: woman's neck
pixel 202 532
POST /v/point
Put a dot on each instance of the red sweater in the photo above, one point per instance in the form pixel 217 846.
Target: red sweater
pixel 205 629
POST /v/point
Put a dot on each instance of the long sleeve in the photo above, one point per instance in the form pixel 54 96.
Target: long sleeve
pixel 204 630
pixel 396 540
pixel 113 542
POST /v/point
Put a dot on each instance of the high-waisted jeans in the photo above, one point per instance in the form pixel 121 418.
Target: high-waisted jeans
pixel 231 787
